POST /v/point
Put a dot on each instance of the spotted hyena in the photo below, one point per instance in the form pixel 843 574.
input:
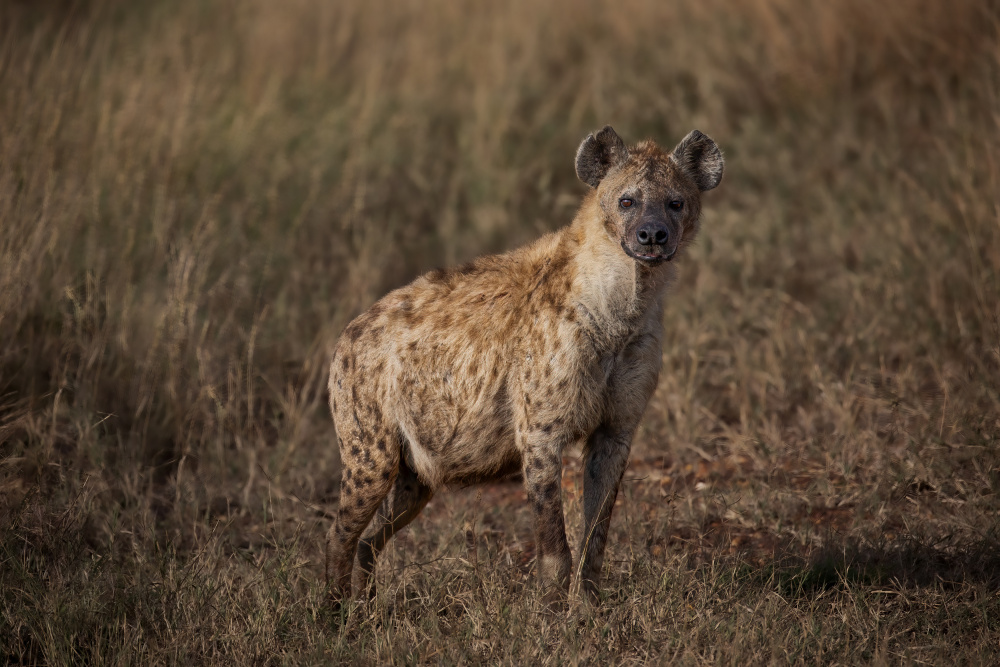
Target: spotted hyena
pixel 472 373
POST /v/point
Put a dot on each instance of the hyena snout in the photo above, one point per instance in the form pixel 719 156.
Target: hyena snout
pixel 652 232
pixel 652 240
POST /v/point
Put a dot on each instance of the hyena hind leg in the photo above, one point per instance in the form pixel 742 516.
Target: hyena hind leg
pixel 405 501
pixel 365 483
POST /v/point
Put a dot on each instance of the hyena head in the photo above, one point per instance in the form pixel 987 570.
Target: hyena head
pixel 651 200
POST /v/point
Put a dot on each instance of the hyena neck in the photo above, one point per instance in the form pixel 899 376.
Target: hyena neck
pixel 618 293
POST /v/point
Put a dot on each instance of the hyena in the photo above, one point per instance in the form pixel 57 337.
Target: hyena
pixel 473 373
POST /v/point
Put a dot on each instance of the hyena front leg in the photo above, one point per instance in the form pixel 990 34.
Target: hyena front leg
pixel 542 467
pixel 605 458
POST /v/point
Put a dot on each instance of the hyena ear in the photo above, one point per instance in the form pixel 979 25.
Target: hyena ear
pixel 599 154
pixel 699 157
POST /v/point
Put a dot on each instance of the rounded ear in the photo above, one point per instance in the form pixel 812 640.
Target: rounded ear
pixel 699 157
pixel 599 154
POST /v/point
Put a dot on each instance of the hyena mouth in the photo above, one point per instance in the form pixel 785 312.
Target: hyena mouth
pixel 651 259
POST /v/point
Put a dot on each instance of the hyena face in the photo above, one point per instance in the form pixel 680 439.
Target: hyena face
pixel 651 200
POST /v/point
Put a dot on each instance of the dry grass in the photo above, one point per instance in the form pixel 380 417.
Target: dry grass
pixel 195 197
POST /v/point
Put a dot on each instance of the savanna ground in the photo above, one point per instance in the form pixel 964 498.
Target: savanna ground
pixel 196 197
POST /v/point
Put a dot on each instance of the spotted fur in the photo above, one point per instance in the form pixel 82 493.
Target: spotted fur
pixel 472 373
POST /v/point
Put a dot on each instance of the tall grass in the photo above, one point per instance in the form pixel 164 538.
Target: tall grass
pixel 196 197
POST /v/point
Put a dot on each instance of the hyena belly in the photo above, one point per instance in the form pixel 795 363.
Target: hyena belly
pixel 441 390
pixel 456 426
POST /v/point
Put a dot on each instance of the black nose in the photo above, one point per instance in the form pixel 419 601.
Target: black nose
pixel 651 233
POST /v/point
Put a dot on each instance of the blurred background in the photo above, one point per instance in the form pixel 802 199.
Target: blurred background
pixel 196 197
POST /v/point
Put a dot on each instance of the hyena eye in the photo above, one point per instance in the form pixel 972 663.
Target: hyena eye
pixel 676 204
pixel 625 202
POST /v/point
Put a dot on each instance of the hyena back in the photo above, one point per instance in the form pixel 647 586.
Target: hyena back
pixel 476 372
